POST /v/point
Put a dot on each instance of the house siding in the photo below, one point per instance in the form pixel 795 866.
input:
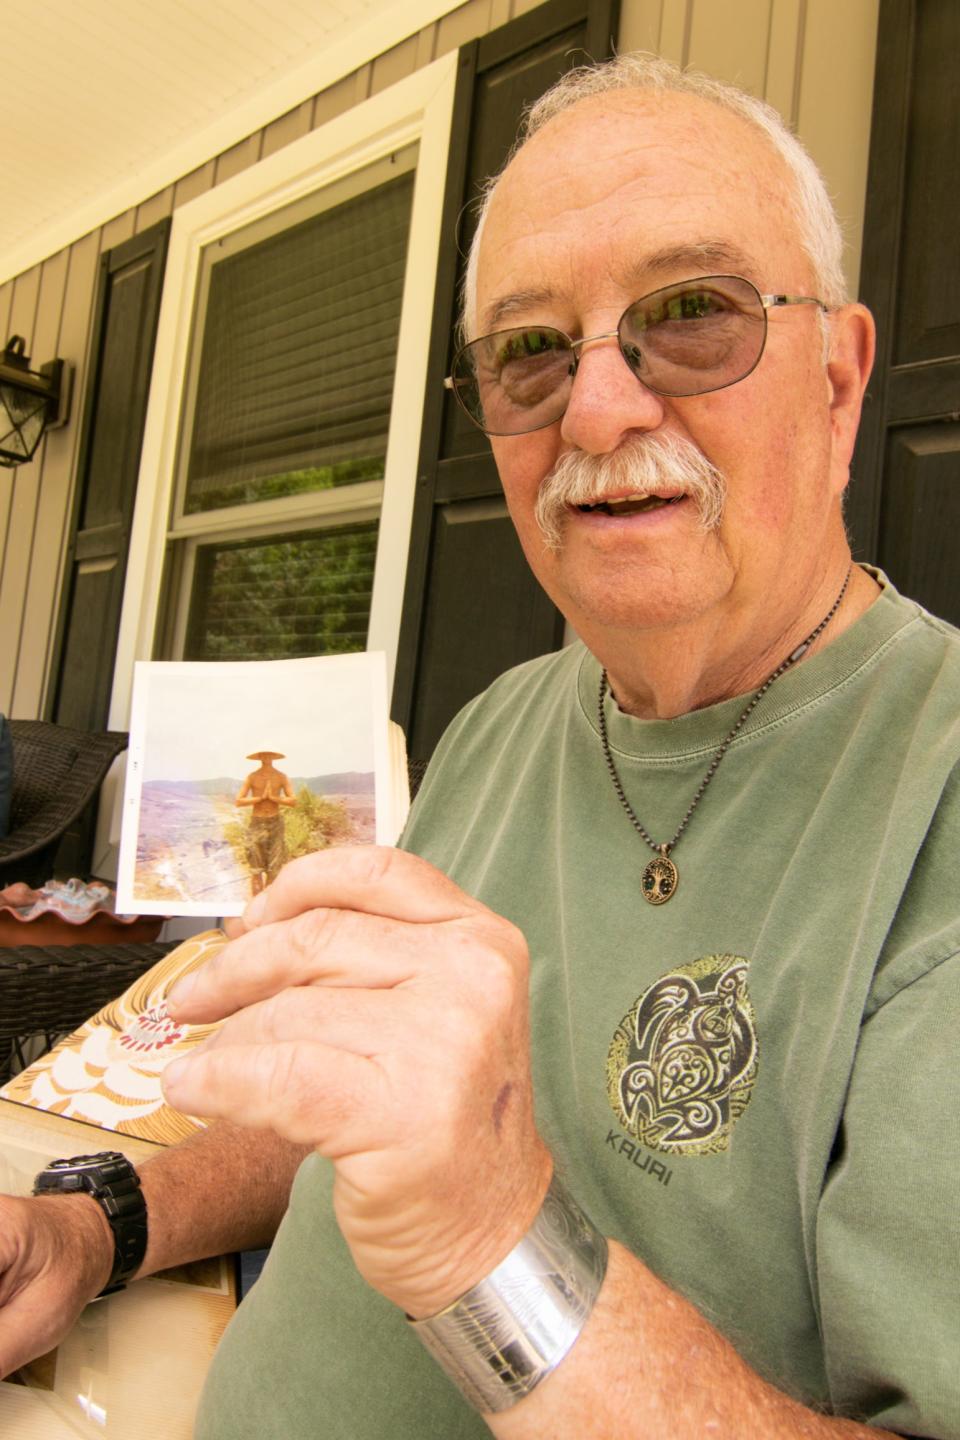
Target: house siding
pixel 812 59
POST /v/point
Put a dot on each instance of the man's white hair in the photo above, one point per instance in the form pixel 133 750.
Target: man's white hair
pixel 817 224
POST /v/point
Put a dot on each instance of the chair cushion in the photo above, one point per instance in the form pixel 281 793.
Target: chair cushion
pixel 6 775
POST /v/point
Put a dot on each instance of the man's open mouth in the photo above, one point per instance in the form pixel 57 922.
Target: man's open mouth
pixel 630 504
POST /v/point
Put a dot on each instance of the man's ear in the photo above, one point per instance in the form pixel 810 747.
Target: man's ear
pixel 852 346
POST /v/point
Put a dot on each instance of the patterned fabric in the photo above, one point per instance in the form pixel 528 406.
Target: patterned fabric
pixel 108 1072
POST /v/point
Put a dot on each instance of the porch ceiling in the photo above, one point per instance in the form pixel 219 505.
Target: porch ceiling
pixel 109 101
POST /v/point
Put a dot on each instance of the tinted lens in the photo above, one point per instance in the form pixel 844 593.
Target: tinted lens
pixel 699 336
pixel 515 380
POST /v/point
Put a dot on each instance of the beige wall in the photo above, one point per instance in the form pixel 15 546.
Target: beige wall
pixel 813 59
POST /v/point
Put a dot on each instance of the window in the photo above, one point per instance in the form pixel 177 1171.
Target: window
pixel 284 596
pixel 279 459
pixel 288 394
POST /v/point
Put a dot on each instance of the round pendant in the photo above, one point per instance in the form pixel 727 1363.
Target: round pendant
pixel 659 880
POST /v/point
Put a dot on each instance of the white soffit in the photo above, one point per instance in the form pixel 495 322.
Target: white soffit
pixel 110 101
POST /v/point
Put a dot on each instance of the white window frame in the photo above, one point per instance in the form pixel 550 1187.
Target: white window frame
pixel 418 109
pixel 365 504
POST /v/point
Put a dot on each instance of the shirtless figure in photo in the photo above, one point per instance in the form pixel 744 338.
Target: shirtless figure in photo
pixel 266 790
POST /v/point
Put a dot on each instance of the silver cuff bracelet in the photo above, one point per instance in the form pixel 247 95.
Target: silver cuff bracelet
pixel 506 1334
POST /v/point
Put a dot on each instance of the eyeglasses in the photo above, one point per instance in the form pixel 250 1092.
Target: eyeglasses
pixel 686 339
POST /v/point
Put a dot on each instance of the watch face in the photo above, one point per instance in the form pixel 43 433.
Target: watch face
pixel 82 1172
pixel 87 1162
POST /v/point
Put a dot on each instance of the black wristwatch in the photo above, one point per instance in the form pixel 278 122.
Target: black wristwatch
pixel 112 1181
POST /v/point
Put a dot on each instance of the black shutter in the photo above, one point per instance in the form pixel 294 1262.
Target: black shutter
pixel 471 606
pixel 904 505
pixel 114 414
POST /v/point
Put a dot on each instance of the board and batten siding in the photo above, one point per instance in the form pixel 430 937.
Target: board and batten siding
pixel 812 59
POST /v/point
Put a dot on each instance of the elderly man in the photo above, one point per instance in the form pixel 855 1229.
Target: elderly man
pixel 633 1086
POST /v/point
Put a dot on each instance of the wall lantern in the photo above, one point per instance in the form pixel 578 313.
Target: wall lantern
pixel 31 402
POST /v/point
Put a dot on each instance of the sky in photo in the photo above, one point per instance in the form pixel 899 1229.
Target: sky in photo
pixel 201 721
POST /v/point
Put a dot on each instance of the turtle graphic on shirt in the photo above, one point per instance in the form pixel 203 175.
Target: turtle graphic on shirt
pixel 682 1063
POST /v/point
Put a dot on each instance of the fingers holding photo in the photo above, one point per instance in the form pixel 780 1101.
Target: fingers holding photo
pixel 372 879
pixel 366 917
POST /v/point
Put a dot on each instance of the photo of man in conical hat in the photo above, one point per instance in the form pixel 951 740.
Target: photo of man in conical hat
pixel 265 790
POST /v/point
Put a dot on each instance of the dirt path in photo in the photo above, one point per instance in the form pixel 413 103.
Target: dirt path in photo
pixel 183 856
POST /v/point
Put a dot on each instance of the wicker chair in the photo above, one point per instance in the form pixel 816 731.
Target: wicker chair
pixel 56 774
pixel 51 990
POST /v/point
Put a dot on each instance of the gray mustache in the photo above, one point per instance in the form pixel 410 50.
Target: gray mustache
pixel 654 464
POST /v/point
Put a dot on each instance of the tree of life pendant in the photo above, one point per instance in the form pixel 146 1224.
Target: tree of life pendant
pixel 659 879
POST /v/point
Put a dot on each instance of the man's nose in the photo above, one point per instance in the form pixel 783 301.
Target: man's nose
pixel 607 400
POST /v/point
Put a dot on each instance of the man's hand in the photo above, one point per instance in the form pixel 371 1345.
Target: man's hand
pixel 380 1015
pixel 280 796
pixel 56 1254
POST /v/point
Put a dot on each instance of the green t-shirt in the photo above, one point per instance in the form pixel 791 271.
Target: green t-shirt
pixel 754 1086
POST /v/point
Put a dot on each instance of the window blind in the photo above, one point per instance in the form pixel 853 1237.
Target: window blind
pixel 299 352
pixel 282 597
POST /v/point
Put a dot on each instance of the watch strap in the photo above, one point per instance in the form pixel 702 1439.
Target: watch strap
pixel 109 1178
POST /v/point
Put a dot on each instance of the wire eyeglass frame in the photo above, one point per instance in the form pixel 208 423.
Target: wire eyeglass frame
pixel 746 303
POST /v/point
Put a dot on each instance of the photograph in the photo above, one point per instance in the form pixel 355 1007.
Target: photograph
pixel 236 768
